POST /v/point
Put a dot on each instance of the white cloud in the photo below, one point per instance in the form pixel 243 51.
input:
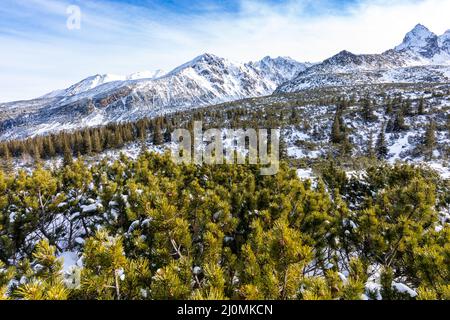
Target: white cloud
pixel 123 39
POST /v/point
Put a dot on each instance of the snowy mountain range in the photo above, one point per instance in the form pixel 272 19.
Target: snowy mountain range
pixel 422 57
pixel 100 79
pixel 101 99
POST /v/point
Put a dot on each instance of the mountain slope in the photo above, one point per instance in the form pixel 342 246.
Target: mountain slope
pixel 420 41
pixel 421 57
pixel 100 79
pixel 206 80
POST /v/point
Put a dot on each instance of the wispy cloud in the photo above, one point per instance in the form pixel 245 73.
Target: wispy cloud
pixel 38 53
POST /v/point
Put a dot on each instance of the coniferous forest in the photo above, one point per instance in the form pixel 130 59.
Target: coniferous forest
pixel 224 159
pixel 150 229
pixel 77 223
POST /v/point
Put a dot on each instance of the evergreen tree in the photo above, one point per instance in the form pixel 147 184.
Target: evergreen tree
pixel 339 130
pixel 336 136
pixel 399 122
pixel 429 140
pixel 406 109
pixel 389 107
pixel 96 143
pixel 68 155
pixel 87 143
pixel 421 107
pixel 381 146
pixel 49 149
pixel 283 152
pixel 370 151
pixel 36 153
pixel 7 163
pixel 118 140
pixel 148 228
pixel 46 281
pixel 109 274
pixel 367 110
pixel 158 138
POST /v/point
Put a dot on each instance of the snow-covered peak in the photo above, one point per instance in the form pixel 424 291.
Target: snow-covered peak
pixel 343 59
pixel 445 36
pixel 146 75
pixel 422 57
pixel 98 80
pixel 421 30
pixel 279 69
pixel 207 58
pixel 277 62
pixel 420 40
pixel 198 62
pixel 344 54
pixel 204 59
pixel 417 37
pixel 85 85
pixel 94 81
pixel 270 60
pixel 444 41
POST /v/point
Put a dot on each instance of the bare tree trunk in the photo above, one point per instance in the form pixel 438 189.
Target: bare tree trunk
pixel 116 278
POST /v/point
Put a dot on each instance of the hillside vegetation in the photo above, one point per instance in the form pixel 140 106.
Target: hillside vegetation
pixel 150 229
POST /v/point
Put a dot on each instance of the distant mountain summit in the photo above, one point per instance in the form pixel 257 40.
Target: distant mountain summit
pixel 279 70
pixel 421 57
pixel 101 99
pixel 420 41
pixel 100 79
pixel 444 42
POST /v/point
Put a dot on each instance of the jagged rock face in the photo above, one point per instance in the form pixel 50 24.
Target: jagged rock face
pixel 422 57
pixel 208 79
pixel 279 70
pixel 347 61
pixel 102 99
pixel 101 79
pixel 422 41
pixel 444 42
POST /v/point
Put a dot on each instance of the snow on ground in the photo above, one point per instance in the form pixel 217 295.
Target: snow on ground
pixel 400 145
pixel 70 259
pixel 403 288
pixel 374 288
pixel 91 208
pixel 298 153
pixel 443 171
pixel 305 174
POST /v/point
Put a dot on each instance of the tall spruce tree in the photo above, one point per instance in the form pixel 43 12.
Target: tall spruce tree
pixel 87 143
pixel 96 142
pixel 381 146
pixel 399 122
pixel 67 154
pixel 158 137
pixel 336 130
pixel 7 162
pixel 429 140
pixel 370 151
pixel 421 107
pixel 367 110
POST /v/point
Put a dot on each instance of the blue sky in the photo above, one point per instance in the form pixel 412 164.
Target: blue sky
pixel 233 6
pixel 38 53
